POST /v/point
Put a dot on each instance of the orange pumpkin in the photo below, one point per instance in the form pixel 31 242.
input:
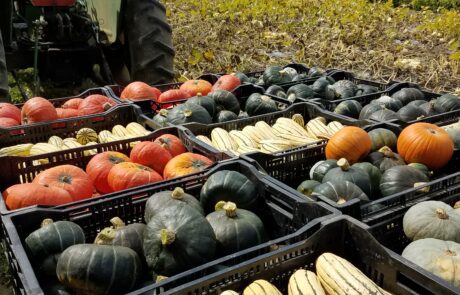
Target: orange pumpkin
pixel 226 82
pixel 99 166
pixel 8 110
pixel 38 109
pixel 66 113
pixel 193 87
pixel 139 90
pixel 127 174
pixel 30 194
pixel 173 95
pixel 73 103
pixel 68 177
pixel 351 143
pixel 172 143
pixel 427 144
pixel 150 154
pixel 95 104
pixel 8 122
pixel 184 164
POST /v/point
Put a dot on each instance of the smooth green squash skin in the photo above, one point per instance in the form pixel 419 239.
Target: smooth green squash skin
pixel 225 116
pixel 384 115
pixel 276 90
pixel 385 158
pixel 307 186
pixel 349 108
pixel 300 91
pixel 417 102
pixel 161 118
pixel 429 108
pixel 344 89
pixel 320 169
pixel 388 102
pixel 422 168
pixel 275 75
pixel 447 103
pixel 454 134
pixel 364 89
pixel 176 239
pixel 410 113
pixel 400 178
pixel 381 137
pixel 354 175
pixel 225 100
pixel 408 94
pixel 206 102
pixel 340 191
pixel 374 174
pixel 99 269
pixel 320 85
pixel 259 104
pixel 187 113
pixel 368 110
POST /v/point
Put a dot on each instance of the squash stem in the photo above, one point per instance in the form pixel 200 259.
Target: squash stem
pixel 160 278
pixel 387 152
pixel 106 106
pixel 457 205
pixel 341 201
pixel 117 222
pixel 167 237
pixel 425 189
pixel 178 193
pixel 343 164
pixel 187 113
pixel 163 112
pixel 441 213
pixel 105 237
pixel 46 222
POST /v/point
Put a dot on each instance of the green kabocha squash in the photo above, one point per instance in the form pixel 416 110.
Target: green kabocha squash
pixel 259 104
pixel 230 186
pixel 291 72
pixel 384 115
pixel 306 187
pixel 243 115
pixel 428 108
pixel 340 191
pixel 225 100
pixel 276 75
pixel 243 78
pixel 161 118
pixel 99 269
pixel 364 89
pixel 314 72
pixel 432 219
pixel 225 116
pixel 349 108
pixel 300 91
pixel 304 282
pixel 205 101
pixel 368 110
pixel 257 81
pixel 321 84
pixel 276 91
pixel 385 158
pixel 176 239
pixel 388 102
pixel 422 168
pixel 120 234
pixel 347 173
pixel 158 201
pixel 54 237
pixel 409 94
pixel 401 178
pixel 454 134
pixel 447 103
pixel 235 229
pixel 187 113
pixel 441 258
pixel 374 174
pixel 344 89
pixel 410 113
pixel 300 77
pixel 381 137
pixel 320 169
pixel 416 103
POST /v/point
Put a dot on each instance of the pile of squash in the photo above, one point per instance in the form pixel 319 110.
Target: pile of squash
pixel 149 161
pixel 364 165
pixel 407 104
pixel 334 275
pixel 180 231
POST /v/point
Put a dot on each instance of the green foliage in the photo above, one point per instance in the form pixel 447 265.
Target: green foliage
pixel 432 4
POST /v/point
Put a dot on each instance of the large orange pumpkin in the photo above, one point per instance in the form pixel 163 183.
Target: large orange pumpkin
pixel 73 103
pixel 38 109
pixel 66 113
pixel 226 82
pixel 99 166
pixel 150 154
pixel 8 110
pixel 184 164
pixel 95 104
pixel 173 95
pixel 425 143
pixel 139 90
pixel 30 194
pixel 172 143
pixel 68 177
pixel 8 122
pixel 126 175
pixel 351 143
pixel 193 87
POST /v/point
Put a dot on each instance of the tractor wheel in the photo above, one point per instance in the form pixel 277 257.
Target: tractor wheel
pixel 149 41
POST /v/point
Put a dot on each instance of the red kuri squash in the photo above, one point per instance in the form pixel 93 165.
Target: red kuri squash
pixel 172 143
pixel 127 174
pixel 38 109
pixel 139 90
pixel 95 104
pixel 8 122
pixel 226 82
pixel 150 154
pixel 99 166
pixel 8 110
pixel 193 87
pixel 73 103
pixel 184 164
pixel 30 194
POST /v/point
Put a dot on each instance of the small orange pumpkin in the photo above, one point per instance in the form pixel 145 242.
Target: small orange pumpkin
pixel 73 103
pixel 8 110
pixel 150 154
pixel 138 90
pixel 427 144
pixel 8 122
pixel 99 166
pixel 184 164
pixel 172 143
pixel 351 143
pixel 30 194
pixel 66 113
pixel 173 95
pixel 95 104
pixel 226 82
pixel 127 175
pixel 38 109
pixel 193 87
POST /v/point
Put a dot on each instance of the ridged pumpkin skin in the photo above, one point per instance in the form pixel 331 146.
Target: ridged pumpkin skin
pixel 99 269
pixel 193 87
pixel 127 175
pixel 427 144
pixel 176 239
pixel 95 104
pixel 304 282
pixel 340 191
pixel 38 109
pixel 30 194
pixel 150 154
pixel 258 104
pixel 138 90
pixel 235 229
pixel 351 143
pixel 400 178
pixel 172 143
pixel 54 237
pixel 441 258
pixel 71 178
pixel 73 103
pixel 8 110
pixel 381 137
pixel 230 186
pixel 184 164
pixel 354 175
pixel 164 199
pixel 432 219
pixel 99 166
pixel 261 287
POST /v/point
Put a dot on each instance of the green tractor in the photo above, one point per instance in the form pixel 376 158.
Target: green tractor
pixel 66 41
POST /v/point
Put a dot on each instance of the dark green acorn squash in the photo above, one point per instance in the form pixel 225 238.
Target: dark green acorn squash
pixel 225 116
pixel 299 91
pixel 368 110
pixel 230 186
pixel 384 115
pixel 236 229
pixel 164 199
pixel 428 108
pixel 385 158
pixel 417 102
pixel 99 269
pixel 243 78
pixel 410 113
pixel 406 95
pixel 307 186
pixel 381 137
pixel 388 102
pixel 204 101
pixel 161 118
pixel 259 104
pixel 401 178
pixel 364 89
pixel 374 175
pixel 176 239
pixel 187 113
pixel 346 173
pixel 275 75
pixel 320 169
pixel 340 191
pixel 422 168
pixel 276 91
pixel 349 108
pixel 446 103
pixel 225 100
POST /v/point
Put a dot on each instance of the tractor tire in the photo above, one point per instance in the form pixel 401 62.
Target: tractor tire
pixel 3 73
pixel 149 39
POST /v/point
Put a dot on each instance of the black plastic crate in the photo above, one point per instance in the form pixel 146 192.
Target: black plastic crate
pixel 22 169
pixel 282 213
pixel 340 235
pixel 307 110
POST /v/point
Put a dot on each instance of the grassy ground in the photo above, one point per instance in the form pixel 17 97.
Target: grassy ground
pixel 374 40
